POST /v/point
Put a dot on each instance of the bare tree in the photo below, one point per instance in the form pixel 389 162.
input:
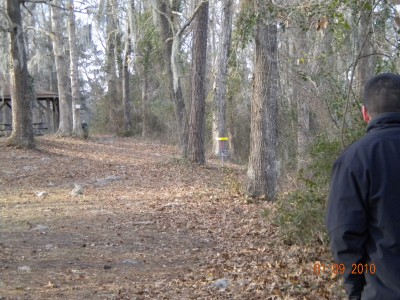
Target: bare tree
pixel 303 51
pixel 219 110
pixel 126 101
pixel 74 74
pixel 144 51
pixel 262 173
pixel 61 62
pixel 168 22
pixel 22 89
pixel 145 101
pixel 366 58
pixel 197 110
pixel 111 67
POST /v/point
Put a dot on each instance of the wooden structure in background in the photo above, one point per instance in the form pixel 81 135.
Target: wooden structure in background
pixel 46 110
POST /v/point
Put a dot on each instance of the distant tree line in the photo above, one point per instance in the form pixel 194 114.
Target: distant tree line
pixel 271 76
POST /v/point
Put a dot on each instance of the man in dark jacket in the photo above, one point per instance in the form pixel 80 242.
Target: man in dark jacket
pixel 363 217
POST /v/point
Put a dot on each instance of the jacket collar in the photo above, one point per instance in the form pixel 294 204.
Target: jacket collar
pixel 390 119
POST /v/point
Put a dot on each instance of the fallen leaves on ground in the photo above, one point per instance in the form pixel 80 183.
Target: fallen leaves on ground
pixel 120 218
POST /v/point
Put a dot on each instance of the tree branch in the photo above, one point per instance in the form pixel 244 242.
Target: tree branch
pixel 180 32
pixel 45 32
pixel 5 25
pixel 48 2
pixel 36 1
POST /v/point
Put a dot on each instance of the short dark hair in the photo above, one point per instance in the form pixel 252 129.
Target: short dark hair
pixel 382 94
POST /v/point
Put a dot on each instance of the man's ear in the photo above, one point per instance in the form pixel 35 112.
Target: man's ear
pixel 365 114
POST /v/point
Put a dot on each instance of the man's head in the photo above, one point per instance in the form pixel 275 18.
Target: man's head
pixel 381 94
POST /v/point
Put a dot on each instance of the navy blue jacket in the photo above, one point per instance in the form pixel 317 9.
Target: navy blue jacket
pixel 363 217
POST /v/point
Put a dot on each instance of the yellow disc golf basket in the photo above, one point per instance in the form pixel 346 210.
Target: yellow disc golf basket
pixel 223 148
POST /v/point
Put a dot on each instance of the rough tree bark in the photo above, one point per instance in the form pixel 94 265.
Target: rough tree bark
pixel 145 102
pixel 61 63
pixel 112 94
pixel 126 101
pixel 5 65
pixel 197 111
pixel 76 99
pixel 262 171
pixel 302 87
pixel 22 90
pixel 366 59
pixel 144 50
pixel 219 111
pixel 171 39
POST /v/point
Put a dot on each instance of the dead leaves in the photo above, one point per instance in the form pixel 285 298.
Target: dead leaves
pixel 145 225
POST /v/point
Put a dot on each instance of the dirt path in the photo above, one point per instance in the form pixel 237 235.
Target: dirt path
pixel 117 218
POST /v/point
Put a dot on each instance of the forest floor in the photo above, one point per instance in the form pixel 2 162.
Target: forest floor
pixel 122 218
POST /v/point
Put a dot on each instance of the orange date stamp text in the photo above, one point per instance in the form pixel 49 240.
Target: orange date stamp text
pixel 339 269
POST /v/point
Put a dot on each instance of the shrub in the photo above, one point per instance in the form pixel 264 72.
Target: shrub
pixel 300 213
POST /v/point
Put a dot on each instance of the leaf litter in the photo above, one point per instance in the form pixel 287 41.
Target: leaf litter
pixel 141 224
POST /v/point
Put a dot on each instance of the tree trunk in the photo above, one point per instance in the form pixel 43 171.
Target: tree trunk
pixel 126 91
pixel 219 111
pixel 145 102
pixel 197 111
pixel 76 99
pixel 5 65
pixel 112 94
pixel 177 96
pixel 302 96
pixel 366 62
pixel 262 173
pixel 61 63
pixel 144 50
pixel 126 100
pixel 171 49
pixel 22 90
